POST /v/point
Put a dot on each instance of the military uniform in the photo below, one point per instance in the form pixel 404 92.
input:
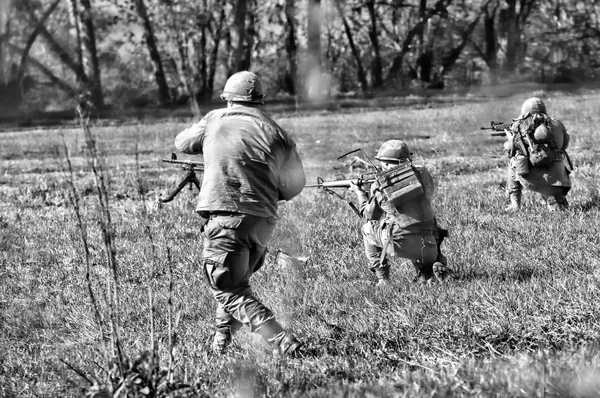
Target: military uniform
pixel 249 164
pixel 552 180
pixel 408 230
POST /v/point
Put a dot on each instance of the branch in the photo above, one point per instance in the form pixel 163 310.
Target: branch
pixel 49 74
pixel 32 37
pixel 54 46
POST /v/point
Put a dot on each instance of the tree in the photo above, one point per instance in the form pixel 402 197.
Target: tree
pixel 291 46
pixel 192 44
pixel 164 94
pixel 514 19
pixel 362 77
pixel 91 67
pixel 376 63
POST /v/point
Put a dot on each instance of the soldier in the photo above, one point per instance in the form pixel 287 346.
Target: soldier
pixel 250 163
pixel 408 230
pixel 544 168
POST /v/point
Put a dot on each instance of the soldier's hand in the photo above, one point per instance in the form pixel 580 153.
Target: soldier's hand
pixel 356 188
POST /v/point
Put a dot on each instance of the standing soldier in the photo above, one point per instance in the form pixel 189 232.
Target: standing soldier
pixel 250 163
pixel 543 169
pixel 407 229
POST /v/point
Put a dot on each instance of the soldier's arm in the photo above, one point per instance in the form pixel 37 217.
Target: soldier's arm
pixel 567 137
pixel 190 140
pixel 368 205
pixel 427 181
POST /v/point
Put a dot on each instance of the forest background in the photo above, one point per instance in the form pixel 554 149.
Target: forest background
pixel 172 54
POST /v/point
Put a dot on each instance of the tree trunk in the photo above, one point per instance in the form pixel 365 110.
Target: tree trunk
pixel 291 47
pixel 235 63
pixel 449 59
pixel 362 78
pixel 91 66
pixel 515 23
pixel 53 45
pixel 513 37
pixel 396 69
pixel 5 8
pixel 164 94
pixel 74 17
pixel 376 64
pixel 212 67
pixel 250 35
pixel 491 40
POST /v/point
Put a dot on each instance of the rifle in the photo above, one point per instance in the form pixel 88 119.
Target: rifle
pixel 500 127
pixel 329 186
pixel 520 140
pixel 191 167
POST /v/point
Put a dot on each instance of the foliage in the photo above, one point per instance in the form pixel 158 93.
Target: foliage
pixel 196 45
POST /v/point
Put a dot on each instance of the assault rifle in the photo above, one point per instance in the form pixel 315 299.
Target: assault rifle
pixel 191 167
pixel 521 141
pixel 329 186
pixel 499 127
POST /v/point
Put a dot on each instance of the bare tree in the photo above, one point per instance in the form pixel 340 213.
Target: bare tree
pixel 239 31
pixel 91 66
pixel 164 94
pixel 291 46
pixel 362 77
pixel 515 19
pixel 376 63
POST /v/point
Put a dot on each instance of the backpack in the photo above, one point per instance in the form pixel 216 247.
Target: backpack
pixel 400 184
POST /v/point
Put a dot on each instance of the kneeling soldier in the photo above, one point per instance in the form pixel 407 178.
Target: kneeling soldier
pixel 402 224
pixel 545 166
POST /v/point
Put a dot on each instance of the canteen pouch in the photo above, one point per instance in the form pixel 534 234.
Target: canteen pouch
pixel 400 183
pixel 543 155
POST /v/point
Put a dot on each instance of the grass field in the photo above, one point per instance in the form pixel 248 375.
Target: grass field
pixel 520 316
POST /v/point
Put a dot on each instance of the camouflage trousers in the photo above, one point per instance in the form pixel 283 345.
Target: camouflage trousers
pixel 420 247
pixel 514 186
pixel 234 248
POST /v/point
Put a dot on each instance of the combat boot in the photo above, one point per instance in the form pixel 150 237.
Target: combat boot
pixel 221 341
pixel 554 205
pixel 440 271
pixel 515 202
pixel 289 346
pixel 383 275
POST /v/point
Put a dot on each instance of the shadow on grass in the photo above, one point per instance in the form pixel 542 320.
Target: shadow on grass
pixel 591 204
pixel 517 274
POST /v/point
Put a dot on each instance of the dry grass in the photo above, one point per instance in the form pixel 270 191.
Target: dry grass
pixel 519 318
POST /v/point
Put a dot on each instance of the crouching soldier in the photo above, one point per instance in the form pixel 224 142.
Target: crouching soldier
pixel 400 218
pixel 536 147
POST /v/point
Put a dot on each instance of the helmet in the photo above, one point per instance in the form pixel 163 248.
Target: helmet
pixel 533 105
pixel 393 150
pixel 243 87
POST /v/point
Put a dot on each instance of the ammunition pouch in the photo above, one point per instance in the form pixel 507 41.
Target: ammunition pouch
pixel 400 184
pixel 545 154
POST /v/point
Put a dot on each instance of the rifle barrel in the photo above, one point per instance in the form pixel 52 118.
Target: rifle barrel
pixel 187 162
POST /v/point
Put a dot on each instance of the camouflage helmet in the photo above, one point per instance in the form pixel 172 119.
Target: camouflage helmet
pixel 243 87
pixel 533 105
pixel 393 150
